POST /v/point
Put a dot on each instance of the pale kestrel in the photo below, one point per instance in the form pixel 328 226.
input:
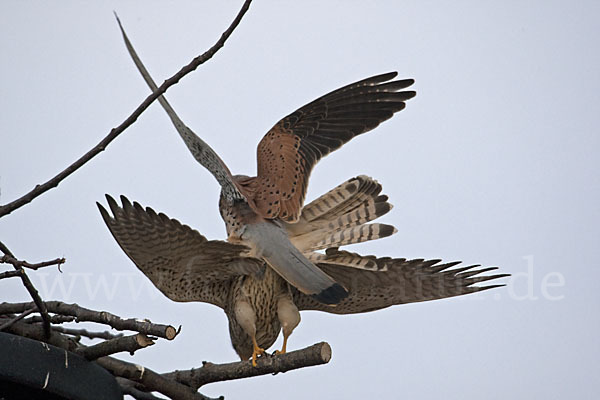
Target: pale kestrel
pixel 185 266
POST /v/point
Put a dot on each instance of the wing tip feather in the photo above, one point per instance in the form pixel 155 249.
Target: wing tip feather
pixel 104 213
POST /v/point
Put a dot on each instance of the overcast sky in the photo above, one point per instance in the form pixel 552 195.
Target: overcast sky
pixel 495 162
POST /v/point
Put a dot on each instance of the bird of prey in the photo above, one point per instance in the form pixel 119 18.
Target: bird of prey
pixel 268 267
pixel 258 302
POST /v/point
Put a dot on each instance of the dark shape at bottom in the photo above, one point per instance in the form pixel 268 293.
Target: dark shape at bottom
pixel 34 370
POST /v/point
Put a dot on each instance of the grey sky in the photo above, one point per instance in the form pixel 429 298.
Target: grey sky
pixel 494 162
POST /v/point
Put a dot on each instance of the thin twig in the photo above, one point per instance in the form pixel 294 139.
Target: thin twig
pixel 128 387
pixel 17 318
pixel 32 292
pixel 10 274
pixel 129 344
pixel 6 259
pixel 84 332
pixel 316 354
pixel 84 314
pixel 195 63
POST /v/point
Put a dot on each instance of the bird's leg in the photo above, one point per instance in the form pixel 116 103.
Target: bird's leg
pixel 256 351
pixel 289 318
pixel 283 348
pixel 246 317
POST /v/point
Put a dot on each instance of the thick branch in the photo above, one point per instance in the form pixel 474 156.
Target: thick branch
pixel 116 345
pixel 102 317
pixel 196 62
pixel 316 354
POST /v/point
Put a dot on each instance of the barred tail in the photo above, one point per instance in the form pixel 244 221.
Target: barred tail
pixel 340 217
pixel 341 199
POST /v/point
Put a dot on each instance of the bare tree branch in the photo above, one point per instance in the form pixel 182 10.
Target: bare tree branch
pixel 148 378
pixel 17 318
pixel 41 306
pixel 5 250
pixel 54 319
pixel 84 314
pixel 195 63
pixel 316 354
pixel 84 332
pixel 116 345
pixel 151 380
pixel 128 387
pixel 6 259
pixel 36 332
pixel 10 274
pixel 177 384
pixel 32 292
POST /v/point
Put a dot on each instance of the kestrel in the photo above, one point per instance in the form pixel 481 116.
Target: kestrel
pixel 258 302
pixel 254 208
pixel 268 267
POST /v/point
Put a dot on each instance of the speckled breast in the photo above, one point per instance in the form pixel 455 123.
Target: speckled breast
pixel 262 296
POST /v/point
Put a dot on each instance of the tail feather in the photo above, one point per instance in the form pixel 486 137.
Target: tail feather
pixel 366 212
pixel 341 199
pixel 340 216
pixel 325 238
pixel 271 243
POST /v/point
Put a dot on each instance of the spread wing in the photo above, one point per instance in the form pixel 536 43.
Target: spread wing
pixel 179 261
pixel 375 283
pixel 201 151
pixel 289 151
